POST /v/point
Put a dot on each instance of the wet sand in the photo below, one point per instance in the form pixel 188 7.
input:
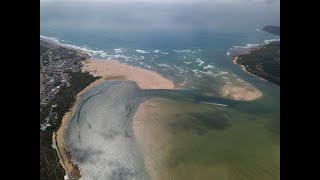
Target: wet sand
pixel 242 93
pixel 151 138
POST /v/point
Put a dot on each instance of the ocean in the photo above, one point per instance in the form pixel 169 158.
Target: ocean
pixel 187 133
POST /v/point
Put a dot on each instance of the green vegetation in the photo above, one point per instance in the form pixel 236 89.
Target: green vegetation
pixel 42 50
pixel 263 62
pixel 50 169
pixel 66 96
pixel 272 29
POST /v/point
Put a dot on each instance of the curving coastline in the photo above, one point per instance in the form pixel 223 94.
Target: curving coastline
pixel 65 158
pixel 107 70
pixel 235 59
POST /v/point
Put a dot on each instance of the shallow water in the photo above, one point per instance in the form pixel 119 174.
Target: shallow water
pixel 179 135
pixel 99 135
pixel 197 141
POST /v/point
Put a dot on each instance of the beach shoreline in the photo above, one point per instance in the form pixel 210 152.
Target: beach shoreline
pixel 235 59
pixel 100 68
pixel 58 137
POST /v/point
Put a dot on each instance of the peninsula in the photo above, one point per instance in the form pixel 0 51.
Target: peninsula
pixel 264 61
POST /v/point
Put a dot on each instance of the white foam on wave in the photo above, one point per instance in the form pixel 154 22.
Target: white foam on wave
pixel 165 53
pixel 141 51
pixel 246 46
pixel 118 50
pixel 181 70
pixel 271 40
pixel 195 70
pixel 258 30
pixel 179 51
pixel 141 57
pixel 240 80
pixel 206 72
pixel 117 56
pixel 156 51
pixel 220 73
pixel 246 49
pixel 165 65
pixel 199 61
pixel 187 62
pixel 208 67
pixel 84 48
pixel 53 39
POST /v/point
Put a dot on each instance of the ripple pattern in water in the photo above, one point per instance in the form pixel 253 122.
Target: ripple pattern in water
pixel 100 136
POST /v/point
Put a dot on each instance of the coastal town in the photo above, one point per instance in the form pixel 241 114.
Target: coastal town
pixel 56 63
pixel 61 79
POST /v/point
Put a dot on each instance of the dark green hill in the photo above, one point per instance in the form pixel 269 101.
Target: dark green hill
pixel 263 62
pixel 43 49
pixel 272 29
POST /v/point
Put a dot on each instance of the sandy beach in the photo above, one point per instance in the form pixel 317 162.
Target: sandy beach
pixel 144 78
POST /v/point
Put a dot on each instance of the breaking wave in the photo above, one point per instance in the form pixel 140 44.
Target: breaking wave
pixel 179 51
pixel 84 48
pixel 208 67
pixel 141 51
pixel 199 61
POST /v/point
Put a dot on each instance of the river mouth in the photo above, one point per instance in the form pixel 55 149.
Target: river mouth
pixel 120 131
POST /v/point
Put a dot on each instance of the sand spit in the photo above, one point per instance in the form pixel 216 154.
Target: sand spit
pixel 240 92
pixel 144 78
